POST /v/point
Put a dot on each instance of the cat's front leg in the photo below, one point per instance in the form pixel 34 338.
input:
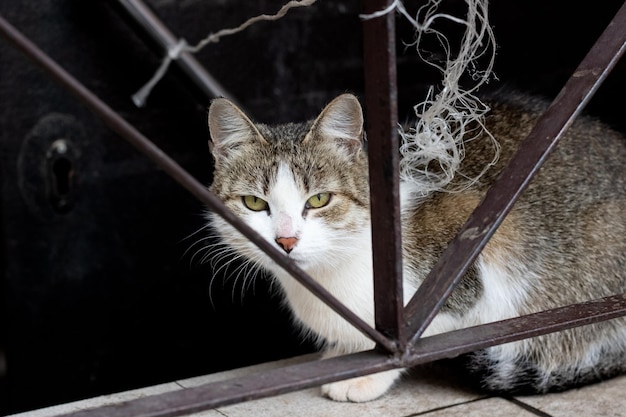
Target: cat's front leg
pixel 361 389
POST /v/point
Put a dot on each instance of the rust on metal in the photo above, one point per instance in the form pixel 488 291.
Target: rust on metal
pixel 116 123
pixel 255 386
pixel 382 124
pixel 514 178
pixel 314 373
pixel 430 296
pixel 471 339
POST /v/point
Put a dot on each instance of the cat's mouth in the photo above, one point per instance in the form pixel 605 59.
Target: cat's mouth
pixel 299 259
pixel 296 258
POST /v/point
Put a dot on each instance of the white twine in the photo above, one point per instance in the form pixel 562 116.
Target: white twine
pixel 174 52
pixel 395 5
pixel 446 120
pixel 140 97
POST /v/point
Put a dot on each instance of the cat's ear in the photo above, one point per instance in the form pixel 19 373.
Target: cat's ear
pixel 341 121
pixel 229 127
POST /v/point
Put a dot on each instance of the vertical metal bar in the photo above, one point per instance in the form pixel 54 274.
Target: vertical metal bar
pixel 382 124
pixel 428 349
pixel 116 123
pixel 300 376
pixel 516 175
pixel 155 28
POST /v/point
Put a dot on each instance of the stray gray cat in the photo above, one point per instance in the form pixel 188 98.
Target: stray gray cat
pixel 305 187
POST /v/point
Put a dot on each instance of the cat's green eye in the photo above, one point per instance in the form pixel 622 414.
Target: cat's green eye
pixel 318 200
pixel 254 203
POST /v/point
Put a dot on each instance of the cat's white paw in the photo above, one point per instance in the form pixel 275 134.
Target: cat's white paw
pixel 365 388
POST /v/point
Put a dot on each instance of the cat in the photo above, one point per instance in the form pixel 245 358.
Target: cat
pixel 304 187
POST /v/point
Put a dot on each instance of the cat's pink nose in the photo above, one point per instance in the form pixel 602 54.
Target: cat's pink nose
pixel 287 243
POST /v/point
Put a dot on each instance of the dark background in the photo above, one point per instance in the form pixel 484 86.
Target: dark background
pixel 104 294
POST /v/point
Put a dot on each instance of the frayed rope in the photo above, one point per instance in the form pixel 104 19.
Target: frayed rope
pixel 445 121
pixel 174 52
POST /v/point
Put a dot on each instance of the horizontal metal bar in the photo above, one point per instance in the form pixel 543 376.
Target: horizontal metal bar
pixel 296 377
pixel 255 386
pixel 452 344
pixel 134 137
pixel 315 373
pixel 516 176
pixel 157 30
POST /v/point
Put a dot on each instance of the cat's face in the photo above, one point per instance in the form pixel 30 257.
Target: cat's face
pixel 303 187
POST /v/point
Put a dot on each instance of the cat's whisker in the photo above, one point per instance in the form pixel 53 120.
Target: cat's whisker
pixel 209 236
pixel 249 277
pixel 216 254
pixel 311 180
pixel 240 272
pixel 241 275
pixel 201 252
pixel 225 265
pixel 192 234
pixel 224 260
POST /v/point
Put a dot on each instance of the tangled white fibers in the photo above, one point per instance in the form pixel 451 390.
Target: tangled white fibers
pixel 433 148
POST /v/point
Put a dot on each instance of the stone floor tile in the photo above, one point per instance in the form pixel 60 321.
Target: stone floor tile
pixel 408 398
pixel 416 393
pixel 488 407
pixel 428 391
pixel 606 399
pixel 100 401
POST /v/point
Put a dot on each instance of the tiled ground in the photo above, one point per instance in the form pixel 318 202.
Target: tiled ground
pixel 420 394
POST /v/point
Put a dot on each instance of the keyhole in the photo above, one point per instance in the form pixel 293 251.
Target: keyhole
pixel 62 170
pixel 61 176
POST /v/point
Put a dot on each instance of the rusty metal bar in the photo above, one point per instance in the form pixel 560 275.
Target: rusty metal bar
pixel 258 385
pixel 314 373
pixel 452 344
pixel 157 30
pixel 128 132
pixel 381 98
pixel 515 176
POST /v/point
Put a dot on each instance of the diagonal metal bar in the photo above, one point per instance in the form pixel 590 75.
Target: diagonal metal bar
pixel 515 177
pixel 157 30
pixel 314 373
pixel 134 137
pixel 382 124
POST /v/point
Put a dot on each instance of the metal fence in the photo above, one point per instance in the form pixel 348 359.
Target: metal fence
pixel 398 329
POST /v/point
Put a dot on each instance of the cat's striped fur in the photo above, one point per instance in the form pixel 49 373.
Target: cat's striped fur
pixel 564 241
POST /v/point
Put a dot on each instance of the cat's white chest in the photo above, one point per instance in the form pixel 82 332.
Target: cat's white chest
pixel 349 281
